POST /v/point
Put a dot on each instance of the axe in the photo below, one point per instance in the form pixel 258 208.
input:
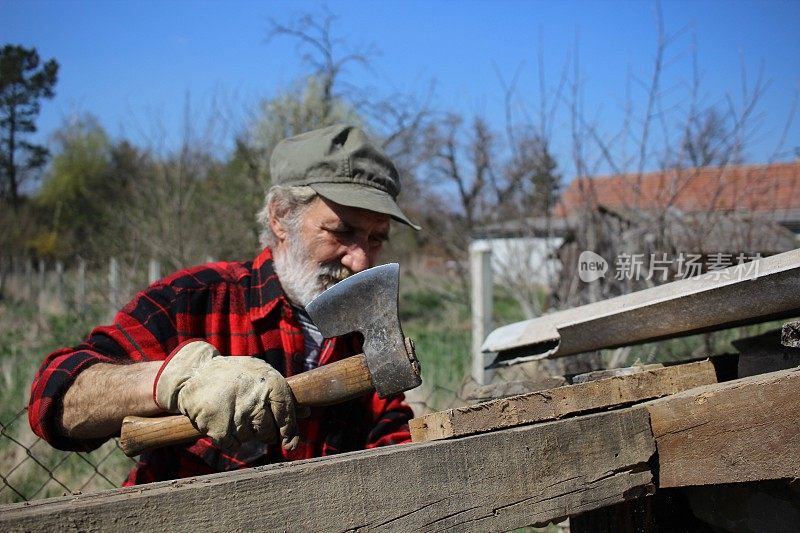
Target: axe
pixel 365 302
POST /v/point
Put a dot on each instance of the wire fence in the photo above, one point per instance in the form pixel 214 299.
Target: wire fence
pixel 32 469
pixel 49 317
pixel 58 287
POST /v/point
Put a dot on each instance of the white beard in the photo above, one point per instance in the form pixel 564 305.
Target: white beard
pixel 302 278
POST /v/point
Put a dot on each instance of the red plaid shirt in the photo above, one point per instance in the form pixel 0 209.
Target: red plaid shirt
pixel 241 309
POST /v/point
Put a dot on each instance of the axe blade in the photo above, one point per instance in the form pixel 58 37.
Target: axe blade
pixel 367 302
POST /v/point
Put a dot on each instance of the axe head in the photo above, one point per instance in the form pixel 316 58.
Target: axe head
pixel 367 302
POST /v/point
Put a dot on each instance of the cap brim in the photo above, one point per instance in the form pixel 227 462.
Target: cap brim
pixel 362 197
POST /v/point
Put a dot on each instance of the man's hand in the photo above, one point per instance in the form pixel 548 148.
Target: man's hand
pixel 230 399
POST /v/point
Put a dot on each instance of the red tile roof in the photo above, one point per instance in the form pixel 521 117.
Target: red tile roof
pixel 751 188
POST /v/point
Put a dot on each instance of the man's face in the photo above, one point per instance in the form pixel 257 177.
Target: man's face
pixel 332 242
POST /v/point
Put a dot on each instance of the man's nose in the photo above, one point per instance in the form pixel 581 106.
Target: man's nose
pixel 356 258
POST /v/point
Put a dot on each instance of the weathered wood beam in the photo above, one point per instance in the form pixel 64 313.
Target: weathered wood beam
pixel 749 293
pixel 772 506
pixel 561 402
pixel 666 511
pixel 495 481
pixel 742 430
pixel 765 353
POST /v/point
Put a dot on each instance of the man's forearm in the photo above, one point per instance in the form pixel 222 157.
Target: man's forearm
pixel 102 395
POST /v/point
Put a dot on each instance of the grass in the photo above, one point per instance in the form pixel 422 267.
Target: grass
pixel 25 339
pixel 30 466
pixel 438 319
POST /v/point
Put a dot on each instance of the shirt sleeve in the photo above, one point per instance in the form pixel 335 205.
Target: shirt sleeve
pixel 144 330
pixel 390 418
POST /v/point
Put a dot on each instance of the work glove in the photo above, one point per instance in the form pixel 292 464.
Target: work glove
pixel 230 399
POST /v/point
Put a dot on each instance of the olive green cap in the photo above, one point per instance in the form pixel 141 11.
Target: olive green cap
pixel 343 165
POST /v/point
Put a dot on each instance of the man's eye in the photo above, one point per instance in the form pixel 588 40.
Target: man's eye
pixel 340 232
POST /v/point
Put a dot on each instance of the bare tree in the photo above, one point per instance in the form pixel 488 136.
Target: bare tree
pixel 669 150
pixel 175 212
pixel 320 49
pixel 464 162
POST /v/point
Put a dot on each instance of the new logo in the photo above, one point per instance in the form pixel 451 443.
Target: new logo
pixel 591 267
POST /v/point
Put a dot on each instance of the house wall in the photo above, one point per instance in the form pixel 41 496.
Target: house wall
pixel 530 257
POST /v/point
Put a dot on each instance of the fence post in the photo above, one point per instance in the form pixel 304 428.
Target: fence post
pixel 60 280
pixel 28 281
pixel 80 286
pixel 480 258
pixel 59 304
pixel 153 271
pixel 41 294
pixel 6 272
pixel 14 275
pixel 113 285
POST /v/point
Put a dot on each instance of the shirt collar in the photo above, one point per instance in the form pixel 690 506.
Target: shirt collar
pixel 265 288
pixel 266 294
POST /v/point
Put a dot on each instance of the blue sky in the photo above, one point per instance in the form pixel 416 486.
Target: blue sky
pixel 129 62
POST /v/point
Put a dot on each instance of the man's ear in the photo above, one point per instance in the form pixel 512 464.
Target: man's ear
pixel 276 224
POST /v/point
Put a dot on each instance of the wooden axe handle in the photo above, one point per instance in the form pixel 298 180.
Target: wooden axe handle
pixel 325 385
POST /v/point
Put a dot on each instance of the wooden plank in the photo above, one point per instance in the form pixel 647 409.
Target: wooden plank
pixel 560 402
pixel 605 373
pixel 495 481
pixel 765 353
pixel 742 430
pixel 772 506
pixel 494 391
pixel 667 510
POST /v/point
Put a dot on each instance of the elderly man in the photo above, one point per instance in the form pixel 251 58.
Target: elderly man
pixel 215 342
